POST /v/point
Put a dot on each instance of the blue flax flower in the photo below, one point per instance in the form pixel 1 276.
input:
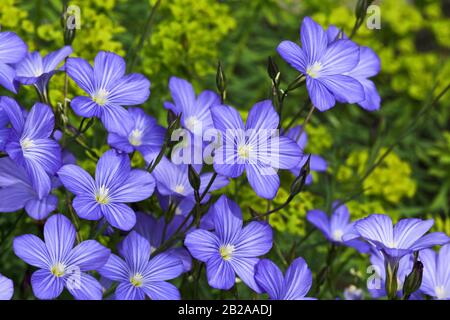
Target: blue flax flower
pixel 6 288
pixel 16 192
pixel 436 272
pixel 138 275
pixel 60 263
pixel 109 89
pixel 173 185
pixel 115 184
pixel 293 286
pixel 406 237
pixel 142 134
pixel 231 248
pixel 325 66
pixel 12 50
pixel 317 163
pixel 30 144
pixel 157 231
pixel 334 228
pixel 34 69
pixel 256 147
pixel 4 130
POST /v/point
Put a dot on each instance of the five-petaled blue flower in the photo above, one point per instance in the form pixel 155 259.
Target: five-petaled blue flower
pixel 231 248
pixel 12 50
pixel 60 264
pixel 35 70
pixel 109 90
pixel 256 147
pixel 293 286
pixel 334 228
pixel 326 65
pixel 406 237
pixel 142 134
pixel 30 144
pixel 115 184
pixel 138 276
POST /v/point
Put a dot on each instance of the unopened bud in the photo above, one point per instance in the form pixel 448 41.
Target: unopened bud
pixel 413 280
pixel 299 182
pixel 221 81
pixel 194 178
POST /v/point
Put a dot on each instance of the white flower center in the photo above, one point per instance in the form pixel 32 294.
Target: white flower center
pixel 244 151
pixel 102 195
pixel 100 97
pixel 313 70
pixel 137 280
pixel 135 137
pixel 26 144
pixel 440 292
pixel 337 235
pixel 179 188
pixel 226 252
pixel 38 72
pixel 58 269
pixel 192 123
pixel 392 244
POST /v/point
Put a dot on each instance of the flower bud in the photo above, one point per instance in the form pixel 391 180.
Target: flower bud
pixel 194 178
pixel 299 182
pixel 413 280
pixel 221 82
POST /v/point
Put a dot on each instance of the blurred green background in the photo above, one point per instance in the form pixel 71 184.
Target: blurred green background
pixel 186 38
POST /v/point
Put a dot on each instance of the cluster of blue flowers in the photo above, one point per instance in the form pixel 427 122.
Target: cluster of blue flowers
pixel 197 225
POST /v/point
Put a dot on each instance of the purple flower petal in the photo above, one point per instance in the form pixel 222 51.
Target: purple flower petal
pixel 12 48
pixel 82 73
pixel 254 240
pixel 116 119
pixel 320 96
pixel 85 107
pixel 138 186
pixel 376 227
pixel 108 68
pixel 288 153
pixel 293 55
pixel 7 75
pixel 263 179
pixel 45 285
pixel 87 208
pixel 202 244
pixel 408 231
pixel 341 56
pixel 32 250
pixel 119 215
pixel 262 116
pixel 182 94
pixel 430 240
pixel 298 280
pixel 136 251
pixel 320 220
pixel 88 255
pixel 14 113
pixel 161 290
pixel 30 68
pixel 314 40
pixel 14 197
pixel 126 291
pixel 39 209
pixel 227 220
pixel 115 269
pixel 53 59
pixel 226 117
pixel 372 98
pixel 163 267
pixel 59 246
pixel 344 88
pixel 270 279
pixel 245 269
pixel 130 90
pixel 6 288
pixel 84 287
pixel 369 64
pixel 112 169
pixel 220 273
pixel 76 180
pixel 318 163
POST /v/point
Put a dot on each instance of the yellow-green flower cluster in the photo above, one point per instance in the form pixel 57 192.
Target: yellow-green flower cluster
pixel 391 180
pixel 187 38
